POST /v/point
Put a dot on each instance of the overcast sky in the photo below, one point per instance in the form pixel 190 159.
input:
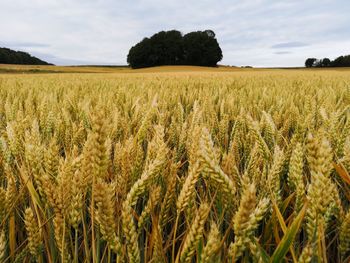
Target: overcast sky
pixel 250 32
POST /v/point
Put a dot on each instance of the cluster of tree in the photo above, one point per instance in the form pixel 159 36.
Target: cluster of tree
pixel 342 61
pixel 198 48
pixel 9 56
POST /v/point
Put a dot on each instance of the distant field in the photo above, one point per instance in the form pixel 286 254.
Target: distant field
pixel 4 68
pixel 174 164
pixel 124 69
pixel 107 69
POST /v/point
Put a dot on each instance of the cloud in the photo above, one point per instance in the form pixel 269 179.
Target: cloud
pixel 19 44
pixel 289 45
pixel 282 52
pixel 103 31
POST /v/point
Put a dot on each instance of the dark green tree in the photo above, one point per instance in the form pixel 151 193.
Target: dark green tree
pixel 167 48
pixel 171 48
pixel 310 62
pixel 342 61
pixel 163 48
pixel 326 62
pixel 202 49
pixel 140 55
pixel 9 56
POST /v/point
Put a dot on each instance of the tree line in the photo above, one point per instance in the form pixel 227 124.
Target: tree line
pixel 342 61
pixel 198 48
pixel 9 56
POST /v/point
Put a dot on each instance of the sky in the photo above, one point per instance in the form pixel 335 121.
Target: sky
pixel 260 33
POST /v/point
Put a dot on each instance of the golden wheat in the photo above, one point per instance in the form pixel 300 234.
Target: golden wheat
pixel 247 166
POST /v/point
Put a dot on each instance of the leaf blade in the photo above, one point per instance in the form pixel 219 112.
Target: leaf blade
pixel 288 238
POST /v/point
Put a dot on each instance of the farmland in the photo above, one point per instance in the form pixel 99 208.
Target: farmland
pixel 174 165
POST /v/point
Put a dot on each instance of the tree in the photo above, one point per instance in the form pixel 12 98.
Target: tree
pixel 342 61
pixel 163 48
pixel 171 48
pixel 140 55
pixel 321 63
pixel 167 48
pixel 202 49
pixel 310 62
pixel 8 56
pixel 326 62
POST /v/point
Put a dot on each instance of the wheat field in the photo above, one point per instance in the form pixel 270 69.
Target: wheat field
pixel 247 166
